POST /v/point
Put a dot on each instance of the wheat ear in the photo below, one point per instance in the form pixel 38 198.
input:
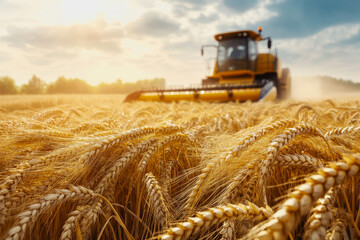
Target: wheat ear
pixel 203 220
pixel 259 133
pixel 156 199
pixel 302 107
pixel 48 113
pixel 235 150
pixel 105 144
pixel 179 137
pixel 122 137
pixel 302 160
pixel 8 186
pixel 320 217
pixel 70 224
pixel 90 218
pixel 28 217
pixel 278 143
pixel 341 130
pixel 236 192
pixel 339 225
pixel 119 164
pixel 299 202
pixel 227 230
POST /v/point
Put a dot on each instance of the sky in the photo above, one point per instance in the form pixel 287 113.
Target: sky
pixel 106 40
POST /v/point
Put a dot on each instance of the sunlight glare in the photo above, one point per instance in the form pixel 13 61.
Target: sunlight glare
pixel 81 10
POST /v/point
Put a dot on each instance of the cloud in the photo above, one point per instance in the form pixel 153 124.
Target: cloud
pixel 153 24
pixel 205 19
pixel 304 18
pixel 97 35
pixel 4 56
pixel 185 46
pixel 353 41
pixel 192 3
pixel 240 6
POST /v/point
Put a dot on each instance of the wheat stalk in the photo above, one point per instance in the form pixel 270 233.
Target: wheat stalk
pixel 179 137
pixel 338 227
pixel 119 164
pixel 70 224
pixel 320 217
pixel 259 133
pixel 341 130
pixel 278 143
pixel 48 113
pixel 203 220
pixel 225 157
pixel 300 160
pixel 26 218
pixel 227 230
pixel 299 202
pixel 105 144
pixel 9 185
pixel 156 199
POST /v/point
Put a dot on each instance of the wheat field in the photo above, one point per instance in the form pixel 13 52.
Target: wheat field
pixel 92 167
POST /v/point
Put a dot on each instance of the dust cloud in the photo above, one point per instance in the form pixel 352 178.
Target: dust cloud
pixel 317 88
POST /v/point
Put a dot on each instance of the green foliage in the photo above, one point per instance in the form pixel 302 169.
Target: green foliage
pixel 34 86
pixel 69 85
pixel 7 85
pixel 75 85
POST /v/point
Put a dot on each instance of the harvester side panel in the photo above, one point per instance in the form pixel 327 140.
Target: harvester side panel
pixel 265 63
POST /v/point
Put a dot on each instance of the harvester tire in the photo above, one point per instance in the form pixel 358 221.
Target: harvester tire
pixel 283 85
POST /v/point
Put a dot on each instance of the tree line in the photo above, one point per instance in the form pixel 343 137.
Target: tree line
pixel 75 85
pixel 330 84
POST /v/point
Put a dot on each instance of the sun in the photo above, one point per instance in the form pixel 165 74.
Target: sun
pixel 81 11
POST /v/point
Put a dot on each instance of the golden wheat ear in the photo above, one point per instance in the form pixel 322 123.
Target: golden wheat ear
pixel 299 202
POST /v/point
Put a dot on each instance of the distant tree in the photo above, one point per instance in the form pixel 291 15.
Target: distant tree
pixel 120 87
pixel 106 88
pixel 7 85
pixel 70 85
pixel 34 86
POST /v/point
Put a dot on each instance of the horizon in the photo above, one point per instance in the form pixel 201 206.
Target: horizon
pixel 136 40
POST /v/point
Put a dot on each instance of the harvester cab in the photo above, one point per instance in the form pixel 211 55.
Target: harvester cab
pixel 240 73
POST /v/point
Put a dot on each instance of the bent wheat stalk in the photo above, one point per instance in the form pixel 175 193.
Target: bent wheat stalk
pixel 299 202
pixel 278 143
pixel 179 137
pixel 321 216
pixel 342 130
pixel 204 220
pixel 26 218
pixel 234 152
pixel 300 160
pixel 156 199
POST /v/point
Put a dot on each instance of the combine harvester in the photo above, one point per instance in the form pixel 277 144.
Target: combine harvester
pixel 240 74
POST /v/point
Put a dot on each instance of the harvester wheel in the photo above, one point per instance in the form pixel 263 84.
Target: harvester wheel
pixel 283 85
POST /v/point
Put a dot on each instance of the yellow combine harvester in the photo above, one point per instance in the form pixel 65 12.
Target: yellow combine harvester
pixel 240 74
